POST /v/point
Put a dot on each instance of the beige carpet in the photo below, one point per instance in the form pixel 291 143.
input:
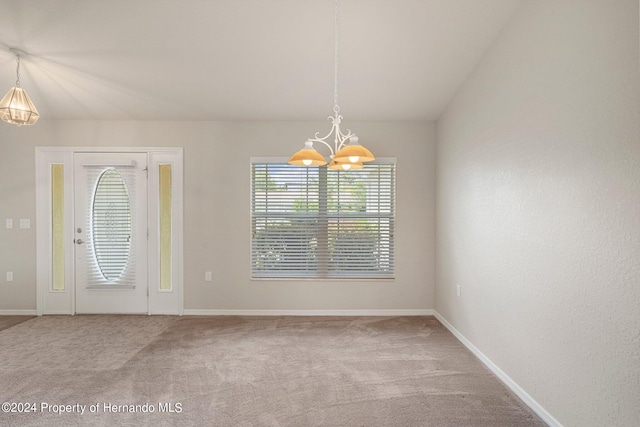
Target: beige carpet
pixel 9 321
pixel 248 371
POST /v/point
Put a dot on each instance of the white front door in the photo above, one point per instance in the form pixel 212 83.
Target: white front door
pixel 110 232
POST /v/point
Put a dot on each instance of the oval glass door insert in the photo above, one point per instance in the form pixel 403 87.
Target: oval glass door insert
pixel 111 224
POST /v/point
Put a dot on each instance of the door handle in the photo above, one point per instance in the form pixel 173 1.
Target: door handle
pixel 79 241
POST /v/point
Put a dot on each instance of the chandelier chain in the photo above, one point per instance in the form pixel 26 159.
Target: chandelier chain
pixel 18 71
pixel 336 108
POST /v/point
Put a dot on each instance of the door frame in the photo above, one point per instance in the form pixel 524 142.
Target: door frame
pixel 49 301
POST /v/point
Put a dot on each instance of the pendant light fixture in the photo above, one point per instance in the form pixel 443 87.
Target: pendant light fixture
pixel 346 152
pixel 16 106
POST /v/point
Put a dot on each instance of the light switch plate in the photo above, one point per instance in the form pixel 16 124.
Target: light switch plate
pixel 25 223
pixel 207 276
pixel 9 276
pixel 9 223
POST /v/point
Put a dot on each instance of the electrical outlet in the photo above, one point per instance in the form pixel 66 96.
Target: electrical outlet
pixel 458 290
pixel 207 276
pixel 9 276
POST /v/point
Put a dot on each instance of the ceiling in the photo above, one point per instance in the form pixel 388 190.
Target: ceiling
pixel 244 59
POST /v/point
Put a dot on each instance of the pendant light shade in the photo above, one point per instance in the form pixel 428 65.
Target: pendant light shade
pixel 308 156
pixel 354 153
pixel 16 108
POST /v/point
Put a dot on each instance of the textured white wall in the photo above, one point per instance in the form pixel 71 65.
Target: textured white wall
pixel 538 208
pixel 216 209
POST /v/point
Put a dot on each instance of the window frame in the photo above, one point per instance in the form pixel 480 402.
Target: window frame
pixel 344 278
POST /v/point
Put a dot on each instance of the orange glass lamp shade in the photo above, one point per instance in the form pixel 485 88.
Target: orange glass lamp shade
pixel 308 156
pixel 344 166
pixel 354 153
pixel 16 108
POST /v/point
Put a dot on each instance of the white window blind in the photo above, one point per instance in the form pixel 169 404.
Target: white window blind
pixel 322 223
pixel 110 245
pixel 111 224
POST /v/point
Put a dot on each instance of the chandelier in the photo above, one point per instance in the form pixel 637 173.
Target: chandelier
pixel 346 152
pixel 16 106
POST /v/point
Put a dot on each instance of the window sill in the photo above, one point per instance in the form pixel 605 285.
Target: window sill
pixel 322 279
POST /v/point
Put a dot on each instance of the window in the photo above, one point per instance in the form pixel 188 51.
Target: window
pixel 111 224
pixel 164 196
pixel 322 223
pixel 57 227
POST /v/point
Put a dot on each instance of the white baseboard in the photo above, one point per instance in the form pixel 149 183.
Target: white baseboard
pixel 242 312
pixel 17 312
pixel 513 386
pixel 214 312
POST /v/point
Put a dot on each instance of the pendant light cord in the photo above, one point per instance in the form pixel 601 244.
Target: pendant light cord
pixel 18 71
pixel 336 108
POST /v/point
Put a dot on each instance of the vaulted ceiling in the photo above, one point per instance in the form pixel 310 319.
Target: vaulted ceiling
pixel 244 59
